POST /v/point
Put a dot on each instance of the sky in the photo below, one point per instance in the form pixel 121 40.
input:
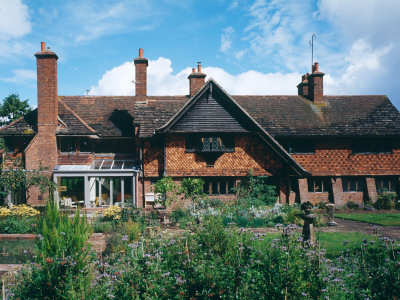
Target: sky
pixel 250 47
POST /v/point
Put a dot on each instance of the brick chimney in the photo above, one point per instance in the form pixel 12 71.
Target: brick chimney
pixel 141 64
pixel 42 151
pixel 316 85
pixel 302 87
pixel 196 80
pixel 46 62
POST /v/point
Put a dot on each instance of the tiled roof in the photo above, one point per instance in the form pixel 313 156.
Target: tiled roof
pixel 278 115
pixel 70 122
pixel 342 115
pixel 107 115
pixel 156 111
pixel 22 126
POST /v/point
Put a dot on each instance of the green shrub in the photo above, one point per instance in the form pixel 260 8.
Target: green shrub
pixel 181 216
pixel 321 205
pixel 353 205
pixel 292 215
pixel 21 225
pixel 131 230
pixel 257 188
pixel 386 200
pixel 63 268
pixel 103 226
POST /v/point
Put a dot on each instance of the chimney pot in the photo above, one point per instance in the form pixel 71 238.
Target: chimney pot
pixel 140 52
pixel 42 46
pixel 199 67
pixel 315 67
pixel 193 70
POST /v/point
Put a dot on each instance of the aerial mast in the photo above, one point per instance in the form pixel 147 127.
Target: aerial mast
pixel 312 49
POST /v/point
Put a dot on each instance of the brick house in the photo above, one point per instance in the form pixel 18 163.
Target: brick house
pixel 111 149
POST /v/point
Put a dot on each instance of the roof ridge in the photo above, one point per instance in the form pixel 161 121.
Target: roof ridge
pixel 76 116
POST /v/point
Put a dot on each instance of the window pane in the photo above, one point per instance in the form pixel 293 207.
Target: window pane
pixel 215 144
pixel 84 145
pixel 206 144
pixel 67 144
pixel 206 187
pixel 294 185
pixel 214 187
pixel 345 184
pixel 353 185
pixel 231 186
pixel 222 187
pixel 317 185
pixel 9 143
pixel 310 183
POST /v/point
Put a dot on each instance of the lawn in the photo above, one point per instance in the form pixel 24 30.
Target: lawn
pixel 384 219
pixel 335 242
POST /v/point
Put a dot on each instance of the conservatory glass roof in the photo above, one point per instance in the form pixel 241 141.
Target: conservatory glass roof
pixel 101 165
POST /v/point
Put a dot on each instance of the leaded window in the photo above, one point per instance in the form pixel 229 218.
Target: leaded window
pixel 318 185
pixel 219 186
pixel 353 184
pixel 386 184
pixel 210 143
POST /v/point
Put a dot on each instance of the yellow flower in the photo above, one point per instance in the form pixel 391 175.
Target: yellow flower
pixel 112 212
pixel 5 212
pixel 24 211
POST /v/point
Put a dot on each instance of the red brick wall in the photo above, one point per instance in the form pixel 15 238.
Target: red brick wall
pixel 335 158
pixel 153 160
pixel 196 81
pixel 75 159
pixel 250 153
pixel 141 77
pixel 353 196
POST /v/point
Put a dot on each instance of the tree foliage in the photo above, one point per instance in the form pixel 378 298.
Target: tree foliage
pixel 168 190
pixel 257 188
pixel 17 181
pixel 13 108
pixel 192 189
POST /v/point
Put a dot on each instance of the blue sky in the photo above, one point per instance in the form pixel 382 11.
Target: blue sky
pixel 248 46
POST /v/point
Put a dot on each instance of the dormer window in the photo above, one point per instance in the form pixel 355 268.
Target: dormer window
pixel 210 143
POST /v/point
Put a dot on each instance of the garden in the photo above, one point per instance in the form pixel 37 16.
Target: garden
pixel 213 252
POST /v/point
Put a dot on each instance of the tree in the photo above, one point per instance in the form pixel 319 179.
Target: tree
pixel 167 189
pixel 13 108
pixel 258 188
pixel 192 189
pixel 17 181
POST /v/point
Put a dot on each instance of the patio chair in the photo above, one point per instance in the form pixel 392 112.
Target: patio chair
pixel 68 202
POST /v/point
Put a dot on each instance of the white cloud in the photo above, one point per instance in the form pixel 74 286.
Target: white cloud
pixel 376 21
pixel 21 76
pixel 162 81
pixel 14 19
pixel 226 38
pixel 277 33
pixel 363 73
pixel 117 81
pixel 93 19
pixel 234 4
